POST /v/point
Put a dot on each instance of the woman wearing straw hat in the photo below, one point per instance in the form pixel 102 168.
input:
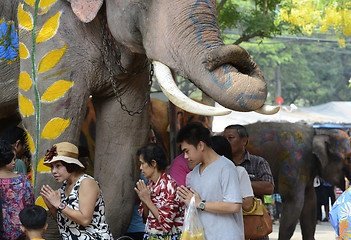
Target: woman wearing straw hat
pixel 78 205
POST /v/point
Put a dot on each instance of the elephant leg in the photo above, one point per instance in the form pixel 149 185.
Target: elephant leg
pixel 118 136
pixel 291 210
pixel 289 217
pixel 308 214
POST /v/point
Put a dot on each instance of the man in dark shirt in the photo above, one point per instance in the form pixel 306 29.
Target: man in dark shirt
pixel 257 167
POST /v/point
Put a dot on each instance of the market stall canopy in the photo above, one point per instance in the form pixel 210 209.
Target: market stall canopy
pixel 325 115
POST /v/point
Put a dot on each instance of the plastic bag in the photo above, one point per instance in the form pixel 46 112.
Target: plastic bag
pixel 192 228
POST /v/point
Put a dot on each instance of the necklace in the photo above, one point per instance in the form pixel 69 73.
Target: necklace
pixel 7 171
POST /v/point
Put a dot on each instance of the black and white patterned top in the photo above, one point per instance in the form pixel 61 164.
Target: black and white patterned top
pixel 98 229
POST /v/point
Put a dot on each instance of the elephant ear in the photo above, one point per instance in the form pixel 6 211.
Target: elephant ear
pixel 320 146
pixel 86 10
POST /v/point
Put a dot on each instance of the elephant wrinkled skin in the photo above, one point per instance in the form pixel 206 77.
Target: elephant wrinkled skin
pixel 71 50
pixel 296 154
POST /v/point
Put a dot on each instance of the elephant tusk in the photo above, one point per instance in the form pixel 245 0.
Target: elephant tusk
pixel 170 89
pixel 268 109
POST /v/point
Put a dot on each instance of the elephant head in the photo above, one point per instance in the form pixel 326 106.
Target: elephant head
pixel 332 148
pixel 185 37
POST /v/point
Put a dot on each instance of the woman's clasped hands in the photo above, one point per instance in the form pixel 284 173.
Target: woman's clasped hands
pixel 143 191
pixel 51 198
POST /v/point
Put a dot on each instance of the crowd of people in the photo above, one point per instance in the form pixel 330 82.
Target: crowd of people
pixel 218 171
pixel 204 169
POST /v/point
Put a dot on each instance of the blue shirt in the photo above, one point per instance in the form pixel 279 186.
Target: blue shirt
pixel 340 215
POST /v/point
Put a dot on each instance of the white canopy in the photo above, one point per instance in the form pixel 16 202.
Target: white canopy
pixel 332 112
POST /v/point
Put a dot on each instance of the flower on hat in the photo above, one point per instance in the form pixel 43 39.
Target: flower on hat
pixel 50 154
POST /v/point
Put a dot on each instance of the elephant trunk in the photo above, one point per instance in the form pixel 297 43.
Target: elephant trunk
pixel 239 76
pixel 235 55
pixel 185 36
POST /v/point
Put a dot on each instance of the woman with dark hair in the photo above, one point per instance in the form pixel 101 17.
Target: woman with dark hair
pixel 16 137
pixel 160 205
pixel 16 192
pixel 78 205
pixel 222 147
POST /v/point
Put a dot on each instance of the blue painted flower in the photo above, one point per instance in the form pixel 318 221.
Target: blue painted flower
pixel 9 48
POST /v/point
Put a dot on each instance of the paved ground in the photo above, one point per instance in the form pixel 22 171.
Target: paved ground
pixel 324 231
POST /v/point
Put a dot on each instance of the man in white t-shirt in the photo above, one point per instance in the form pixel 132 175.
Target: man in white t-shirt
pixel 215 183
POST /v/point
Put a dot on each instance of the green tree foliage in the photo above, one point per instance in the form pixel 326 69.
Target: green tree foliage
pixel 311 74
pixel 250 18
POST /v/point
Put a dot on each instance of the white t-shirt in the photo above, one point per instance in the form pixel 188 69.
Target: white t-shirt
pixel 245 183
pixel 219 182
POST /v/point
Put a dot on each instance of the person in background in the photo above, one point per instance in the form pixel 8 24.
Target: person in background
pixel 179 169
pixel 269 203
pixel 222 147
pixel 78 206
pixel 338 192
pixel 257 167
pixel 27 159
pixel 278 203
pixel 16 193
pixel 16 136
pixel 323 192
pixel 136 229
pixel 214 181
pixel 33 220
pixel 160 206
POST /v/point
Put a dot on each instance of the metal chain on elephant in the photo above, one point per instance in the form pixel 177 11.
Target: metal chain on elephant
pixel 109 45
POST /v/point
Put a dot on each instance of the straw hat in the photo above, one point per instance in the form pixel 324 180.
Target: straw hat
pixel 63 151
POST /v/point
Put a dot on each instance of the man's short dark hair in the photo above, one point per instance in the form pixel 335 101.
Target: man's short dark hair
pixel 14 133
pixel 193 133
pixel 240 128
pixel 6 153
pixel 222 147
pixel 33 217
pixel 154 151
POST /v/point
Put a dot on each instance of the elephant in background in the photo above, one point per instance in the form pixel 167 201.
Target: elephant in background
pixel 297 153
pixel 69 50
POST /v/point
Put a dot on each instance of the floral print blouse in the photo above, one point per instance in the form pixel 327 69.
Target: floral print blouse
pixel 164 196
pixel 340 215
pixel 16 194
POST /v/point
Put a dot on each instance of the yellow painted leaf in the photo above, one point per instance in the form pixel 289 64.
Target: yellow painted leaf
pixel 46 3
pixel 25 82
pixel 40 202
pixel 49 29
pixel 54 128
pixel 25 105
pixel 30 2
pixel 56 90
pixel 30 142
pixel 25 19
pixel 51 59
pixel 41 167
pixel 24 53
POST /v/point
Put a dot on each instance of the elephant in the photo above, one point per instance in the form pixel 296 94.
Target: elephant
pixel 297 153
pixel 65 51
